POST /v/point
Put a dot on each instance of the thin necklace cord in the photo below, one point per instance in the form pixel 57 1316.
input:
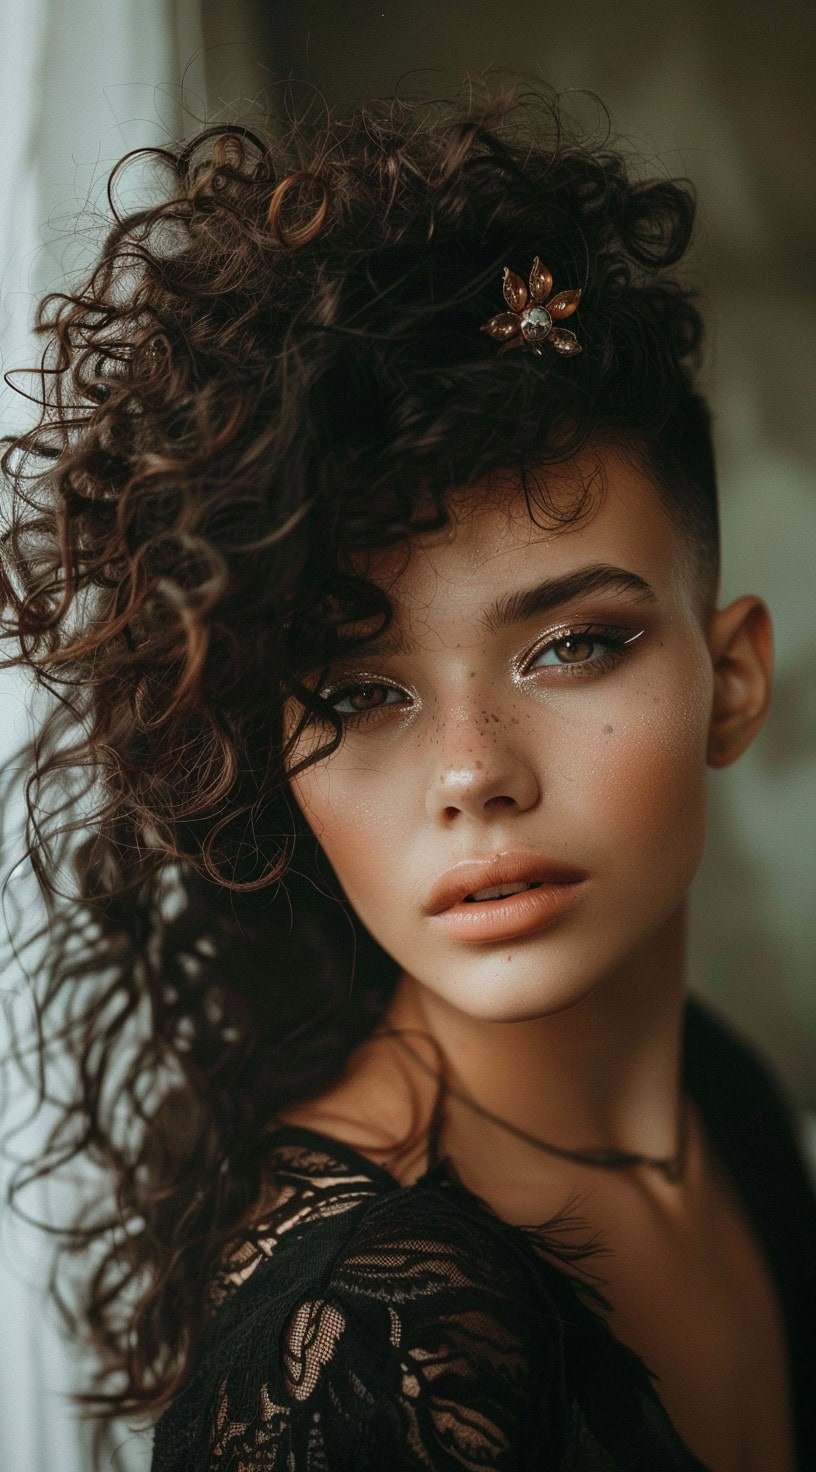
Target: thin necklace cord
pixel 672 1167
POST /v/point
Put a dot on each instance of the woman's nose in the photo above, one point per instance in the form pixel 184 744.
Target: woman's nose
pixel 479 771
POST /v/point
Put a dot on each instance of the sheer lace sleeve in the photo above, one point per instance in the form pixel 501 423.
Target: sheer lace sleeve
pixel 363 1325
pixel 415 1352
pixel 386 1329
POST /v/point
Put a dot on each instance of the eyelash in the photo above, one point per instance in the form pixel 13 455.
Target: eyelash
pixel 610 638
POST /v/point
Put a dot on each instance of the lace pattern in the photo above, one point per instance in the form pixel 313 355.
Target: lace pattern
pixel 362 1325
pixel 416 1331
pixel 310 1186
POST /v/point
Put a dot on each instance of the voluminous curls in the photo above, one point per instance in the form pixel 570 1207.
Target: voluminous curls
pixel 271 368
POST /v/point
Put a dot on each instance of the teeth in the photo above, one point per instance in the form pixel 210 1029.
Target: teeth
pixel 499 891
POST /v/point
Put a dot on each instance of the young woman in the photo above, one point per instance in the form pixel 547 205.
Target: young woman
pixel 370 543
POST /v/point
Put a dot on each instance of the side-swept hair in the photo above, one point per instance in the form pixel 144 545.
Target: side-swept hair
pixel 277 364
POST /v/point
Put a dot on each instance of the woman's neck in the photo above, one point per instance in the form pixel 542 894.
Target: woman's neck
pixel 603 1072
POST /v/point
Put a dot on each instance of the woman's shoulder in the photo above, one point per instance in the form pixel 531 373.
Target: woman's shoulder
pixel 338 1218
pixel 315 1188
pixel 361 1314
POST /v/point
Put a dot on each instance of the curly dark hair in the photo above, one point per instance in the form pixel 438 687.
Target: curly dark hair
pixel 273 368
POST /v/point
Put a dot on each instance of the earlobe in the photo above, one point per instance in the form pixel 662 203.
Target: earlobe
pixel 741 647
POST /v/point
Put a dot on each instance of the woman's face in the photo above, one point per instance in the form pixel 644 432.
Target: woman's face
pixel 540 708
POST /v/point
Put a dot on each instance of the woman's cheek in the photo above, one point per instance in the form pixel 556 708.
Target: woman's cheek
pixel 654 787
pixel 352 815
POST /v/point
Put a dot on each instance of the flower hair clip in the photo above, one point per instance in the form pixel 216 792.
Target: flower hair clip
pixel 529 323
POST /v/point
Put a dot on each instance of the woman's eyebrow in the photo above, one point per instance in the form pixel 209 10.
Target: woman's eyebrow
pixel 515 608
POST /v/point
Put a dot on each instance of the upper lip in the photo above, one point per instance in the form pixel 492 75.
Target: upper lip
pixel 504 868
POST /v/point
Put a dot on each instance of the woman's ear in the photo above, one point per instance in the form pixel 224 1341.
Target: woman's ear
pixel 740 641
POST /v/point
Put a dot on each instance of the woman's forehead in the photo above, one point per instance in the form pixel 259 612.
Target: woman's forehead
pixel 502 528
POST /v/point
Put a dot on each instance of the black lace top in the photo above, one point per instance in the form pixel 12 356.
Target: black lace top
pixel 375 1327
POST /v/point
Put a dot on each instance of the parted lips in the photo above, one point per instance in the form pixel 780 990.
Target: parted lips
pixel 533 316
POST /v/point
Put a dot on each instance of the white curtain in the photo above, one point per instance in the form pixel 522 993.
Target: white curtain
pixel 81 83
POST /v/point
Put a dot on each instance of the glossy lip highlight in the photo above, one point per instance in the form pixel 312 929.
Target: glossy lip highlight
pixel 508 867
pixel 513 916
pixel 506 919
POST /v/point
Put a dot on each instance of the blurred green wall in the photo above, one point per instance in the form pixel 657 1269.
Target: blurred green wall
pixel 724 94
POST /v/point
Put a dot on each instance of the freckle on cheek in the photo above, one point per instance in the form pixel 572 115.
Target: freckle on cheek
pixel 608 730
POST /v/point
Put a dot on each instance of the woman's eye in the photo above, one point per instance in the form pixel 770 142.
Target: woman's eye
pixel 581 647
pixel 571 649
pixel 360 700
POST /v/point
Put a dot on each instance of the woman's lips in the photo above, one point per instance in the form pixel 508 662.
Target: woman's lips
pixel 517 914
pixel 464 919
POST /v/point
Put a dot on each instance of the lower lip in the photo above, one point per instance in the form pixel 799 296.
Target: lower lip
pixel 517 914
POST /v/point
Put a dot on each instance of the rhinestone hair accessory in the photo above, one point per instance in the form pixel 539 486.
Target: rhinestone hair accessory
pixel 533 316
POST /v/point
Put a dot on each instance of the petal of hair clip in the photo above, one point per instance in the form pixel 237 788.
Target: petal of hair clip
pixel 540 282
pixel 564 341
pixel 564 303
pixel 514 290
pixel 505 325
pixel 514 342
